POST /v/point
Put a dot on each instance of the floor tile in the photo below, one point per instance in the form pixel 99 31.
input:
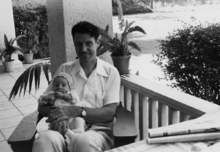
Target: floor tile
pixel 18 70
pixel 4 76
pixel 28 109
pixel 24 102
pixel 6 105
pixel 6 91
pixel 7 132
pixel 7 80
pixel 3 99
pixel 16 75
pixel 5 147
pixel 1 137
pixel 10 122
pixel 9 113
pixel 8 86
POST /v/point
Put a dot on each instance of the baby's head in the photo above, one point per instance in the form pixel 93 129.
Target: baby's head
pixel 62 82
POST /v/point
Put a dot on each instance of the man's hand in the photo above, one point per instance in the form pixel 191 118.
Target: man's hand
pixel 45 109
pixel 63 113
pixel 61 126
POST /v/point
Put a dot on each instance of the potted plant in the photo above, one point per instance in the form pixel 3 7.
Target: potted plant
pixel 120 46
pixel 31 42
pixel 8 51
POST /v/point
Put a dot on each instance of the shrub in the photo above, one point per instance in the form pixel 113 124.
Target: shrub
pixel 191 57
pixel 24 16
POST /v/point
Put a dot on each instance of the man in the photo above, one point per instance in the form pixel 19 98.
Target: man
pixel 97 83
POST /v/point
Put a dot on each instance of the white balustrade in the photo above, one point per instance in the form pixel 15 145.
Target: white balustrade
pixel 155 105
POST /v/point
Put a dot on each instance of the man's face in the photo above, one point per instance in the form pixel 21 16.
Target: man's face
pixel 86 47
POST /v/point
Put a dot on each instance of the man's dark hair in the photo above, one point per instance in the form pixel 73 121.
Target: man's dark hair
pixel 85 27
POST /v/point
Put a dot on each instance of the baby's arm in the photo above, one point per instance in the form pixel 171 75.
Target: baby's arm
pixel 66 97
pixel 46 98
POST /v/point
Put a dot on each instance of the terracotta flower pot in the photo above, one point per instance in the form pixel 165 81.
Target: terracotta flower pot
pixel 8 66
pixel 122 63
pixel 28 58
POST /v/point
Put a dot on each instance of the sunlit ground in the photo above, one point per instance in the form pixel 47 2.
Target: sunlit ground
pixel 158 26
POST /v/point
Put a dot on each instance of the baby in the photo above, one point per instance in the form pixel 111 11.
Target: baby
pixel 62 95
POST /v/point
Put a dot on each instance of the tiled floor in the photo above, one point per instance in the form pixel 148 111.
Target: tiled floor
pixel 12 112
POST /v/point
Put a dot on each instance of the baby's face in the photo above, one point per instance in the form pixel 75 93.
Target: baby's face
pixel 60 84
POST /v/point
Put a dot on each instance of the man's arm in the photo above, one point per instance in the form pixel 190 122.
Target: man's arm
pixel 103 116
pixel 45 109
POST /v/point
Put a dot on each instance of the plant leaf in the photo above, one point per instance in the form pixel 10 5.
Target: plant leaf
pixel 37 76
pixel 31 78
pixel 136 29
pixel 7 45
pixel 104 49
pixel 25 76
pixel 19 52
pixel 134 45
pixel 46 71
pixel 17 38
pixel 127 27
pixel 26 81
pixel 16 86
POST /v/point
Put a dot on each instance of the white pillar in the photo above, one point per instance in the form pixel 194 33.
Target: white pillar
pixel 63 14
pixel 7 27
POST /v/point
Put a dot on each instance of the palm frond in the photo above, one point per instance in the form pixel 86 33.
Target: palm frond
pixel 24 82
pixel 16 86
pixel 31 78
pixel 46 72
pixel 37 77
pixel 134 45
pixel 31 74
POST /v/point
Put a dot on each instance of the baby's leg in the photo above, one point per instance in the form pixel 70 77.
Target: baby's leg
pixel 77 124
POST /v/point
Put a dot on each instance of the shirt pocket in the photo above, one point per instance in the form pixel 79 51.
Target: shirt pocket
pixel 100 95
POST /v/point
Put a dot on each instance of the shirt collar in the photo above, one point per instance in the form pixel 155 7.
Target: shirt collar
pixel 99 68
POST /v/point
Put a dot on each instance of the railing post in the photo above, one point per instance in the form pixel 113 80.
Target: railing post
pixel 135 100
pixel 145 116
pixel 163 115
pixel 174 116
pixel 122 95
pixel 127 98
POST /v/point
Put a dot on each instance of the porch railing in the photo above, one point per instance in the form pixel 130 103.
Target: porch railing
pixel 155 105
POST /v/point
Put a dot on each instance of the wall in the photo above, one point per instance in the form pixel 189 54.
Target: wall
pixel 62 15
pixel 6 21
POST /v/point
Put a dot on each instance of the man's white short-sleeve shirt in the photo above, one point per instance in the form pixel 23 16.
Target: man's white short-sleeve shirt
pixel 100 88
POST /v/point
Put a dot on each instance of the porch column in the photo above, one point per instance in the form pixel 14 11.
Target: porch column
pixel 7 27
pixel 62 15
